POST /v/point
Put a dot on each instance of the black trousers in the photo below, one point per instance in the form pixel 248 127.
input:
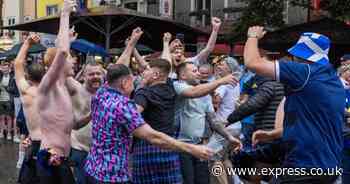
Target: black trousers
pixel 194 171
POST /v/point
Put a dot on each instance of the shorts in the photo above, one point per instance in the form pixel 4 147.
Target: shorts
pixel 28 172
pixel 7 108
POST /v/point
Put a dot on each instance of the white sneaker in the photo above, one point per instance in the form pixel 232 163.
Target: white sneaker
pixel 16 139
pixel 19 164
pixel 9 137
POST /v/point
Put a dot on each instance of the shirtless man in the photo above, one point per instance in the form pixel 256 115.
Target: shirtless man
pixel 28 92
pixel 56 109
pixel 81 97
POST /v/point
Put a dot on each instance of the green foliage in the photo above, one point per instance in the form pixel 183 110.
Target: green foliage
pixel 338 9
pixel 260 12
pixel 270 13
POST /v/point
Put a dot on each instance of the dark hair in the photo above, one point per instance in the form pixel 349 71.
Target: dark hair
pixel 181 67
pixel 116 72
pixel 35 72
pixel 162 64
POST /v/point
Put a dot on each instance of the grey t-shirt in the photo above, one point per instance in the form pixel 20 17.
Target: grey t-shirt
pixel 190 113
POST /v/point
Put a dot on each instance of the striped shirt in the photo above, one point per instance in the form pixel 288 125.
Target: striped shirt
pixel 114 118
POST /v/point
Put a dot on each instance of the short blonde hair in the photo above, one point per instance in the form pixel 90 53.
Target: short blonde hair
pixel 50 56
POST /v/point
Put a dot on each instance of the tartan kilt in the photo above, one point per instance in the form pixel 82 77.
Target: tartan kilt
pixel 153 165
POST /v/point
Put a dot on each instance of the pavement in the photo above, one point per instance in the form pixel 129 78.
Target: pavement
pixel 8 160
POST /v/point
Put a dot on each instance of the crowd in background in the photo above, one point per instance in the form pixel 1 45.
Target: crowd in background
pixel 159 120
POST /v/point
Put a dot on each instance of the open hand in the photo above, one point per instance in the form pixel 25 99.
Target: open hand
pixel 229 79
pixel 202 152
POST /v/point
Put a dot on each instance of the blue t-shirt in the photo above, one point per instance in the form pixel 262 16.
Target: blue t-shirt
pixel 314 114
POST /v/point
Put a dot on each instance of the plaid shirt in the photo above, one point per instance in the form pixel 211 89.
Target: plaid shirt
pixel 114 118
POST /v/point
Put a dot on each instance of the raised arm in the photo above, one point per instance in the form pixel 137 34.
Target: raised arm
pixel 204 89
pixel 166 47
pixel 63 47
pixel 125 57
pixel 203 54
pixel 20 60
pixel 252 58
pixel 140 59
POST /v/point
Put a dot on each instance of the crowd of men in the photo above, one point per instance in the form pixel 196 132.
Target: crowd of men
pixel 149 122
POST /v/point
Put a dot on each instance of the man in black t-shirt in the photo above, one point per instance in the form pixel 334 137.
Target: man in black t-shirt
pixel 156 101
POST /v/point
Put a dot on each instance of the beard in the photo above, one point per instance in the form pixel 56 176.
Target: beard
pixel 95 83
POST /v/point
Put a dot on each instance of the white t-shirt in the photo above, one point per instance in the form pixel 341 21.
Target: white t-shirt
pixel 229 95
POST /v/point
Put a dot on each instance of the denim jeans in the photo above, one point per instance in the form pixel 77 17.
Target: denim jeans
pixel 78 157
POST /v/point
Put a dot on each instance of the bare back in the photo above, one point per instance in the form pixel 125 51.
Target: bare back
pixel 28 100
pixel 56 116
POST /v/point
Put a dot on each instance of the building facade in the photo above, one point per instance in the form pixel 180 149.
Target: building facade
pixel 12 11
pixel 29 10
pixel 48 7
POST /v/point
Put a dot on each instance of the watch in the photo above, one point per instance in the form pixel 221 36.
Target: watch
pixel 252 34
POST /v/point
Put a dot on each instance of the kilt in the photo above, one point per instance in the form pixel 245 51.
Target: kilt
pixel 153 165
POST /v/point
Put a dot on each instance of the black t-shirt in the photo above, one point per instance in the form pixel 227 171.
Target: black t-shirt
pixel 158 102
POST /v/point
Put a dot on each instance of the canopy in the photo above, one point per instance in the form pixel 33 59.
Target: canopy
pixel 36 48
pixel 87 47
pixel 110 26
pixel 142 49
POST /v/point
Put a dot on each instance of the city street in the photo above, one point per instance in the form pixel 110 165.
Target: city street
pixel 8 158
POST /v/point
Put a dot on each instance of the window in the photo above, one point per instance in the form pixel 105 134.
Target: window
pixel 153 7
pixel 51 10
pixel 132 6
pixel 11 21
pixel 27 18
pixel 2 31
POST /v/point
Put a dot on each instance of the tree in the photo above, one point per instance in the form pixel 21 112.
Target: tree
pixel 269 13
pixel 338 9
pixel 259 12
